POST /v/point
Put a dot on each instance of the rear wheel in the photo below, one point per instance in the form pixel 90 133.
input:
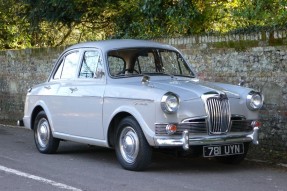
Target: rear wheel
pixel 132 150
pixel 44 140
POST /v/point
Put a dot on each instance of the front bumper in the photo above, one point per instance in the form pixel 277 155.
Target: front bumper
pixel 187 139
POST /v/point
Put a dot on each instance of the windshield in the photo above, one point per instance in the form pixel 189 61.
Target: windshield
pixel 147 61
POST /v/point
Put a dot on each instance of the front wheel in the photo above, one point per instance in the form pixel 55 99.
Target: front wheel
pixel 132 149
pixel 44 140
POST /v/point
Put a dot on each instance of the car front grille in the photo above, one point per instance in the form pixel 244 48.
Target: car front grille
pixel 217 121
pixel 240 124
pixel 199 125
pixel 218 110
pixel 194 125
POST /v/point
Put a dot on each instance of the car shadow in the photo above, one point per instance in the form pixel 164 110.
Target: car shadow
pixel 161 162
pixel 194 164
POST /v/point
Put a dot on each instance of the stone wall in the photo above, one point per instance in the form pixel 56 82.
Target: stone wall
pixel 20 70
pixel 258 60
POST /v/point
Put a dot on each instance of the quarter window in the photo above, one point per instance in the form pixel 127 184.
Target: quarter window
pixel 92 66
pixel 68 67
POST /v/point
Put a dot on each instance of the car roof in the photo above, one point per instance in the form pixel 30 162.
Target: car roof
pixel 114 44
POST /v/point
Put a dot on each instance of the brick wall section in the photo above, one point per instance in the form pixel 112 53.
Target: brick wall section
pixel 258 59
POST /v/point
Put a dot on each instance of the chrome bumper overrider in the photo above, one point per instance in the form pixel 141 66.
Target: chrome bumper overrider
pixel 188 139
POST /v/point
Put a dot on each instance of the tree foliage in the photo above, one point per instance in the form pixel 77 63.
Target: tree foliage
pixel 261 13
pixel 13 28
pixel 41 23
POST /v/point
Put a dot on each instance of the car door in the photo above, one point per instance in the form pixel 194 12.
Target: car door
pixel 86 97
pixel 76 109
pixel 57 90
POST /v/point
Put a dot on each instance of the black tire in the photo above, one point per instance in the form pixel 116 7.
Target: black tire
pixel 234 159
pixel 44 140
pixel 132 149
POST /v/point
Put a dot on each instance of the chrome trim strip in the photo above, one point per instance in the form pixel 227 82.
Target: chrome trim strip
pixel 239 116
pixel 134 99
pixel 193 118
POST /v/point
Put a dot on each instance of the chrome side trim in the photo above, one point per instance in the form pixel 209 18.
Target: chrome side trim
pixel 129 99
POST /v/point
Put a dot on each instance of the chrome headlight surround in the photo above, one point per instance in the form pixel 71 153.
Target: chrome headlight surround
pixel 169 103
pixel 254 100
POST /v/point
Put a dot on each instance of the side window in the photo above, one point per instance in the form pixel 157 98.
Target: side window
pixel 116 65
pixel 68 66
pixel 171 65
pixel 92 66
pixel 147 62
pixel 174 63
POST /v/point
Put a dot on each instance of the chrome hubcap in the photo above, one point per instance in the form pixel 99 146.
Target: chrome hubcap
pixel 129 144
pixel 43 133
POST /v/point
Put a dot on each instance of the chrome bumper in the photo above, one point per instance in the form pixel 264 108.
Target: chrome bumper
pixel 187 139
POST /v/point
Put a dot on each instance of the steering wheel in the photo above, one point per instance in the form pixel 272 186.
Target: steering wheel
pixel 131 71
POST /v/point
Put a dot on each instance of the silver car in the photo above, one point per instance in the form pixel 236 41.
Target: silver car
pixel 137 96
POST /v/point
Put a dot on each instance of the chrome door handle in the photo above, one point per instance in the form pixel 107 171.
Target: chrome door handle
pixel 73 90
pixel 47 87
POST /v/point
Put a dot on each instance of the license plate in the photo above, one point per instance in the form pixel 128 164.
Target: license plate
pixel 223 150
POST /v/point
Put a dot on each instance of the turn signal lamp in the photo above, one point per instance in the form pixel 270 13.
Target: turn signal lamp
pixel 171 129
pixel 255 124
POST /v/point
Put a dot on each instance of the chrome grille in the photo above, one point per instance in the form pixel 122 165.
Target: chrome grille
pixel 193 125
pixel 240 124
pixel 218 114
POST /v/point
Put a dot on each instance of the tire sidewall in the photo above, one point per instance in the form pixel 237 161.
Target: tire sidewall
pixel 143 157
pixel 53 143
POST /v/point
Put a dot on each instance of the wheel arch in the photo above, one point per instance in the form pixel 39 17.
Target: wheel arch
pixel 35 112
pixel 113 126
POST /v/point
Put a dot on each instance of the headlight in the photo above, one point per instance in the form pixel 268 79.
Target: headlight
pixel 254 100
pixel 169 103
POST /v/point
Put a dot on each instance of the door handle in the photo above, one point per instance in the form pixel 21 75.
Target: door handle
pixel 47 87
pixel 73 90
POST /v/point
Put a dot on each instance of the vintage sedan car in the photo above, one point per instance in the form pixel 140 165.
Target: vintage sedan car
pixel 137 96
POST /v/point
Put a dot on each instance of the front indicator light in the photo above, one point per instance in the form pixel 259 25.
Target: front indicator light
pixel 171 129
pixel 255 124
